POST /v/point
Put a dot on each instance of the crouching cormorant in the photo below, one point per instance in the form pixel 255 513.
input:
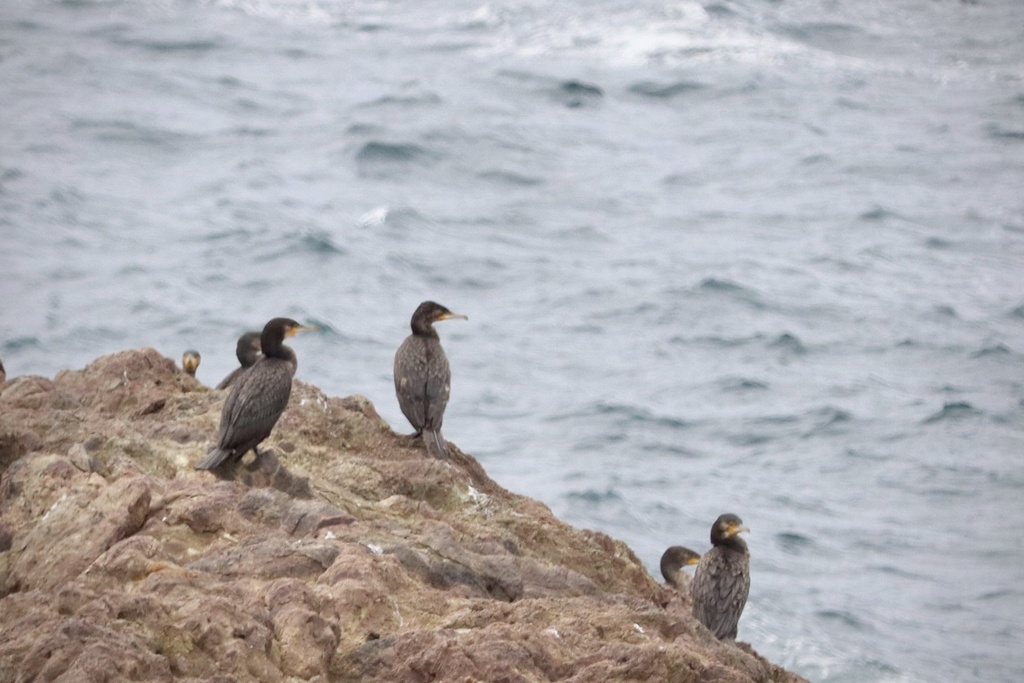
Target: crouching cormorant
pixel 672 562
pixel 722 581
pixel 423 378
pixel 248 352
pixel 258 398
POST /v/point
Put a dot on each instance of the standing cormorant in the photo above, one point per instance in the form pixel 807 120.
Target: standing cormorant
pixel 248 352
pixel 672 562
pixel 190 361
pixel 722 581
pixel 423 378
pixel 258 398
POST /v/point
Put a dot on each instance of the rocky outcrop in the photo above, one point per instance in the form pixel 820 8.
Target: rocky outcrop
pixel 343 554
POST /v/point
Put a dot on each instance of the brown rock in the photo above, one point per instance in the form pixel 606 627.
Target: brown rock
pixel 342 554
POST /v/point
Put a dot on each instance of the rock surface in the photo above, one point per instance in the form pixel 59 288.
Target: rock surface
pixel 344 554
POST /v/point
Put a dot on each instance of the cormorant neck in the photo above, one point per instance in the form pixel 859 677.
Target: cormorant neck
pixel 671 574
pixel 733 543
pixel 285 353
pixel 247 353
pixel 275 348
pixel 424 329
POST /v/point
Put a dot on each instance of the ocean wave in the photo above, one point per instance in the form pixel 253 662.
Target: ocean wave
pixel 716 341
pixel 828 420
pixel 954 410
pixel 713 286
pixel 403 101
pixel 510 178
pixel 635 414
pixel 593 496
pixel 575 94
pixel 380 152
pixel 793 543
pixel 899 572
pixel 195 46
pixel 843 617
pixel 314 242
pixel 666 91
pixel 21 343
pixel 132 133
pixel 998 132
pixel 747 439
pixel 740 384
pixel 998 349
pixel 878 214
pixel 831 36
pixel 789 343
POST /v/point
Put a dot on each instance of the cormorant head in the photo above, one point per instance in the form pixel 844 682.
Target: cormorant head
pixel 276 331
pixel 727 526
pixel 190 361
pixel 248 349
pixel 675 558
pixel 430 312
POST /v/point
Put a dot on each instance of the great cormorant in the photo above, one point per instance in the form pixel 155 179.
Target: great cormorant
pixel 248 352
pixel 258 398
pixel 422 376
pixel 672 562
pixel 190 361
pixel 722 581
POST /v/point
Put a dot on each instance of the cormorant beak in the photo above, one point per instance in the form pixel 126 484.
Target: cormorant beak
pixel 693 560
pixel 292 331
pixel 452 316
pixel 736 530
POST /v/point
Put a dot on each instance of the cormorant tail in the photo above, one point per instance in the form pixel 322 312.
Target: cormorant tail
pixel 435 444
pixel 213 459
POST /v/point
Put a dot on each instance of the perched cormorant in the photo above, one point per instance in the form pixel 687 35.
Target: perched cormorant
pixel 722 581
pixel 248 352
pixel 258 398
pixel 190 361
pixel 672 562
pixel 422 376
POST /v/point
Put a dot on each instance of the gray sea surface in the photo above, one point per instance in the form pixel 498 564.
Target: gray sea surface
pixel 755 256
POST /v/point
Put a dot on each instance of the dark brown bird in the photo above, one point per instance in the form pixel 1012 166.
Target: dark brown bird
pixel 722 581
pixel 258 398
pixel 672 562
pixel 248 352
pixel 423 378
pixel 190 361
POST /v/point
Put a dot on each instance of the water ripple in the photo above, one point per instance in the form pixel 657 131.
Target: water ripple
pixel 130 132
pixel 379 152
pixel 954 410
pixel 666 91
